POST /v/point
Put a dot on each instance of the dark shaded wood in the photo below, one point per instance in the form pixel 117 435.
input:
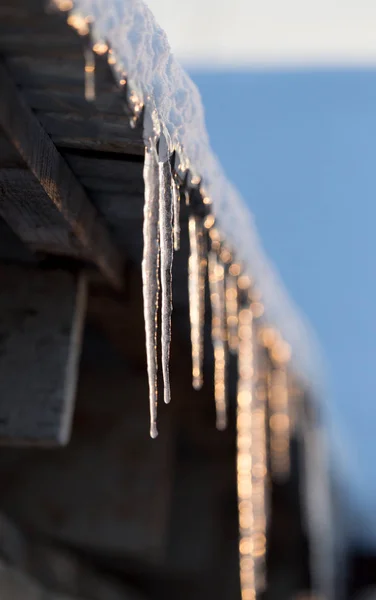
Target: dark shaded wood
pixel 119 171
pixel 113 130
pixel 33 45
pixel 71 100
pixel 28 210
pixel 93 144
pixel 9 157
pixel 58 182
pixel 46 72
pixel 41 321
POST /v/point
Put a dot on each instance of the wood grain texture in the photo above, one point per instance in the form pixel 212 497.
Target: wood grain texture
pixel 28 210
pixel 71 99
pixel 44 161
pixel 109 129
pixel 41 321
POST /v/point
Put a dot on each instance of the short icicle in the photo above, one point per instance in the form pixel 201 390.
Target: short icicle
pixel 279 354
pixel 89 73
pixel 197 270
pixel 150 278
pixel 166 243
pixel 217 298
pixel 232 308
pixel 176 214
pixel 279 421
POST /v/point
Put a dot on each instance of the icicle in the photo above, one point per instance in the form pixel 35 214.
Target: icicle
pixel 259 456
pixel 197 270
pixel 217 297
pixel 150 278
pixel 166 242
pixel 248 544
pixel 278 402
pixel 232 309
pixel 251 460
pixel 279 422
pixel 176 212
pixel 89 74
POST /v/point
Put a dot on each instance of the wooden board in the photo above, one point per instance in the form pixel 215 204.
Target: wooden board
pixel 41 320
pixel 40 155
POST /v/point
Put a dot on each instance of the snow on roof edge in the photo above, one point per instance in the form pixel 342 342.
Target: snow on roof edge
pixel 143 54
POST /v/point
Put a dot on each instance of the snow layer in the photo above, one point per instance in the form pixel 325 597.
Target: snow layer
pixel 173 102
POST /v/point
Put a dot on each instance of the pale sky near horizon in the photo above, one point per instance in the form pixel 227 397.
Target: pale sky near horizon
pixel 219 33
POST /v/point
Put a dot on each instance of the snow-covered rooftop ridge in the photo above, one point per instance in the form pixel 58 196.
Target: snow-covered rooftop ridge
pixel 143 53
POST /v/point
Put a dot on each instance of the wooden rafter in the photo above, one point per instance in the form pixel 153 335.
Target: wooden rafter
pixel 56 179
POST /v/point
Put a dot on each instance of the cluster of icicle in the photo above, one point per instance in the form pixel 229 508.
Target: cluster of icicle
pixel 263 412
pixel 161 234
pixel 264 415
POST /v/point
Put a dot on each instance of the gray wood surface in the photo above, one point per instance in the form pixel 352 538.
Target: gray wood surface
pixel 58 182
pixel 28 210
pixel 41 320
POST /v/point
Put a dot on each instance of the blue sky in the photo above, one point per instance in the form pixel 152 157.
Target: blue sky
pixel 301 148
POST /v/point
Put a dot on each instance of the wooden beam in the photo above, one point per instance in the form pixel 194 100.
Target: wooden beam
pixel 65 193
pixel 27 209
pixel 110 130
pixel 41 321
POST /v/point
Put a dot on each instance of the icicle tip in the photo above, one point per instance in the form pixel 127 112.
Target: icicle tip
pixel 153 431
pixel 167 394
pixel 221 424
pixel 197 383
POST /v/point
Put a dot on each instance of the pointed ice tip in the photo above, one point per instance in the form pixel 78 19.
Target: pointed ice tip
pixel 167 396
pixel 197 384
pixel 153 431
pixel 221 425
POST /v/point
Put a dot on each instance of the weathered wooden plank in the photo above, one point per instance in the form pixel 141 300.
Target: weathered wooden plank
pixel 9 157
pixel 121 170
pixel 46 72
pixel 117 209
pixel 71 99
pixel 28 210
pixel 12 249
pixel 98 145
pixel 41 156
pixel 41 320
pixel 95 494
pixel 33 45
pixel 109 128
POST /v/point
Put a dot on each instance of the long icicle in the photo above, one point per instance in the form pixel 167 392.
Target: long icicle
pixel 196 284
pixel 217 297
pixel 259 457
pixel 176 213
pixel 166 243
pixel 248 542
pixel 150 278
